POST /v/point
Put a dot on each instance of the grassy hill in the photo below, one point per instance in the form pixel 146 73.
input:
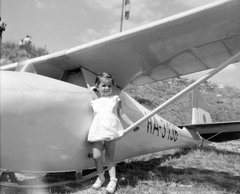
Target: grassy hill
pixel 12 52
pixel 223 102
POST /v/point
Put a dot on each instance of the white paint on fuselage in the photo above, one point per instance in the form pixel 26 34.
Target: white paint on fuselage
pixel 44 123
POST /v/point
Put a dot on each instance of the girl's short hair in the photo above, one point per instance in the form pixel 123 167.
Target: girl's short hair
pixel 103 75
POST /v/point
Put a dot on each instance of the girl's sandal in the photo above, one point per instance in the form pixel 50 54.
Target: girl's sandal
pixel 99 182
pixel 112 185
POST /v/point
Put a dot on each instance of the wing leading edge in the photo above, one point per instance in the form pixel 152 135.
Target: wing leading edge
pixel 189 42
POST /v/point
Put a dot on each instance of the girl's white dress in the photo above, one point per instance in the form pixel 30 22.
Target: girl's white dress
pixel 105 125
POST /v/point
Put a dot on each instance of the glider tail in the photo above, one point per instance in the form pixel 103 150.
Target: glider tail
pixel 202 122
pixel 200 114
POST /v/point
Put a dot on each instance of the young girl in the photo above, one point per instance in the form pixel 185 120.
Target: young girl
pixel 106 129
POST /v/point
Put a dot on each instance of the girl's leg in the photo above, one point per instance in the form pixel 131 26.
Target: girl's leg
pixel 110 150
pixel 97 156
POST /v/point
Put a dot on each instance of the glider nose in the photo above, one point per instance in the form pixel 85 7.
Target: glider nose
pixel 42 121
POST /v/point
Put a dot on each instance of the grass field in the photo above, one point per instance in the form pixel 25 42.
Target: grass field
pixel 213 169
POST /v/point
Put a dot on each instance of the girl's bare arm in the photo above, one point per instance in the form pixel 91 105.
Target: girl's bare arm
pixel 124 117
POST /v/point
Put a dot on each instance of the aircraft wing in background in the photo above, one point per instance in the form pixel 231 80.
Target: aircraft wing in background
pixel 189 42
pixel 217 132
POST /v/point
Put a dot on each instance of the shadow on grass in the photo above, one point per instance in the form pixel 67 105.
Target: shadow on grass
pixel 152 170
pixel 130 173
pixel 219 151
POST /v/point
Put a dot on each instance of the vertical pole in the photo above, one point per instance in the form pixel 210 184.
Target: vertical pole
pixel 121 23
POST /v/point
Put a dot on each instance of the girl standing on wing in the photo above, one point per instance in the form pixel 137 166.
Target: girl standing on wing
pixel 106 128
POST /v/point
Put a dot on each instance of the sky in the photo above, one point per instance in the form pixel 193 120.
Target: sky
pixel 62 24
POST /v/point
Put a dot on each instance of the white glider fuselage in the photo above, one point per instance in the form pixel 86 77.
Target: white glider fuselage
pixel 45 122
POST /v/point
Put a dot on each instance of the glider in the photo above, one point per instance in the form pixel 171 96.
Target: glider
pixel 45 101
